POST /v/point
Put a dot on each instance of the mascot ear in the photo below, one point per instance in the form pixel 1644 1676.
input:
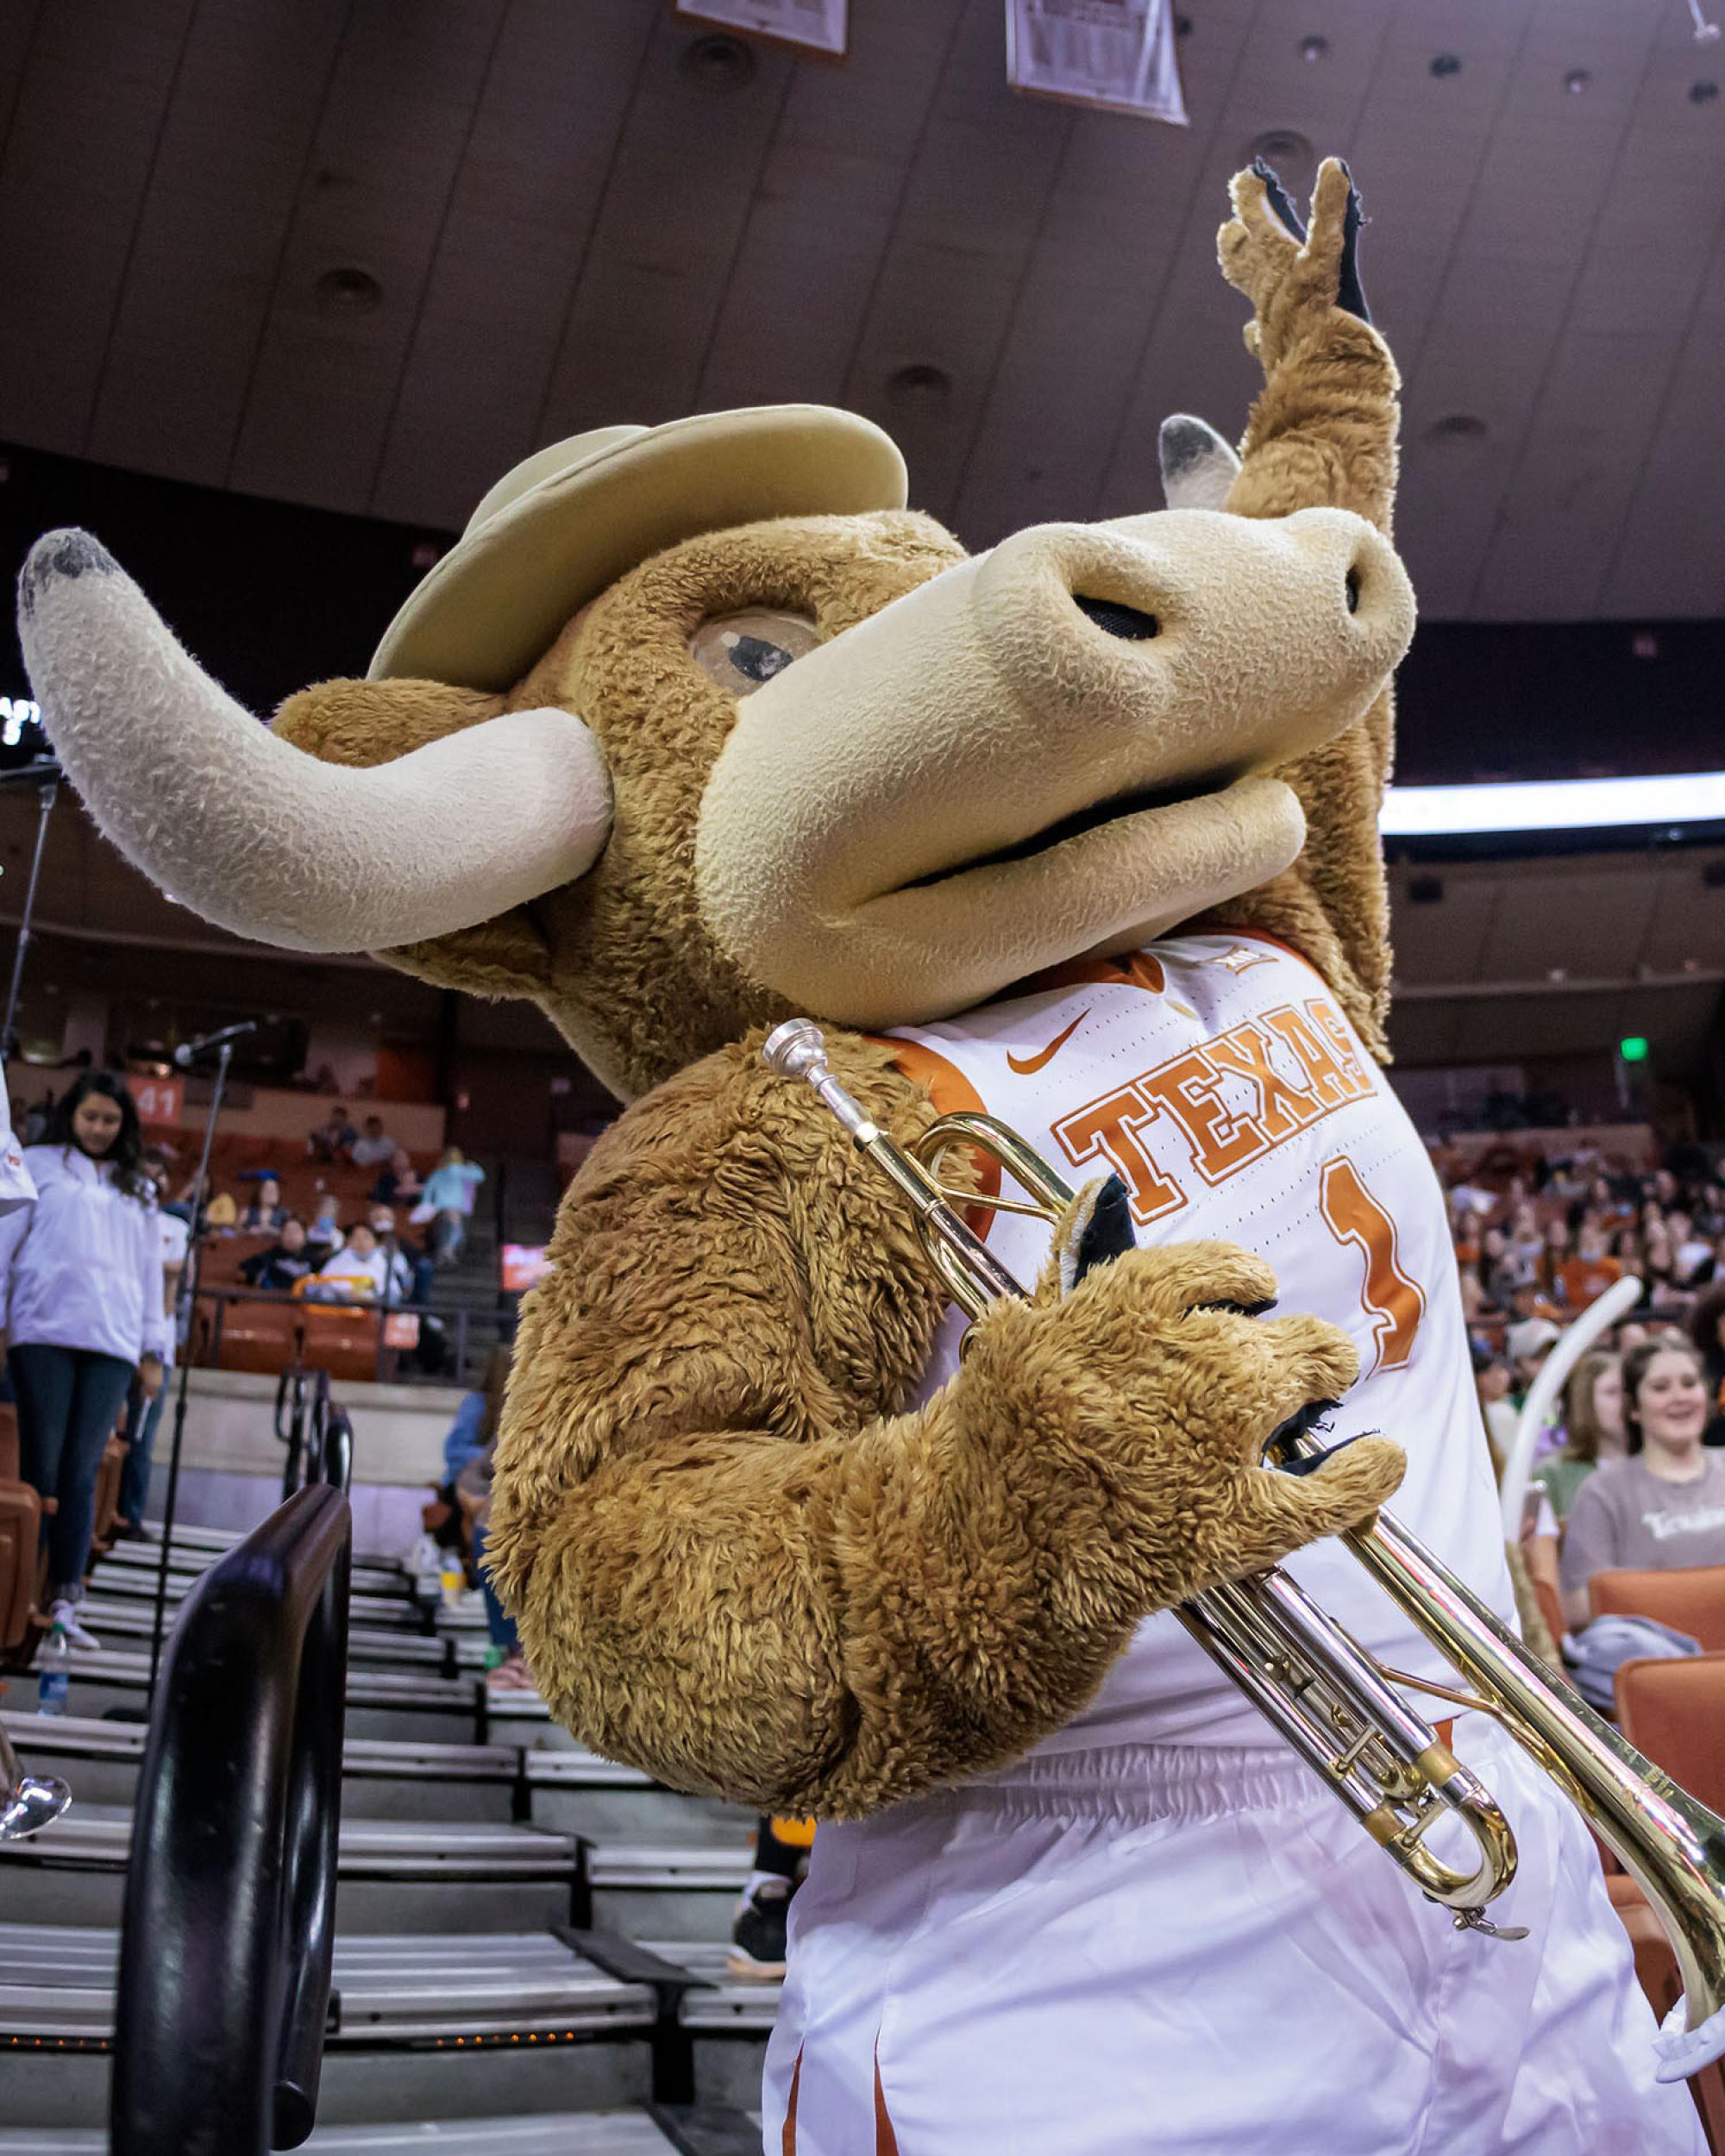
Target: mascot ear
pixel 420 813
pixel 1198 467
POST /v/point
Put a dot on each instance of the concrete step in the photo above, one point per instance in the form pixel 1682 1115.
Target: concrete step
pixel 666 1890
pixel 215 1542
pixel 131 1558
pixel 396 1876
pixel 131 1588
pixel 729 2020
pixel 445 2025
pixel 100 1761
pixel 577 1793
pixel 631 2132
pixel 124 1620
pixel 401 1706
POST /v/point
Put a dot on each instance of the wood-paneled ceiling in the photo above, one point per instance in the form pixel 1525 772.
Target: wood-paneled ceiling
pixel 568 220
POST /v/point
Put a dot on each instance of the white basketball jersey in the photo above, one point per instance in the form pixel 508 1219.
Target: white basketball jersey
pixel 1217 1077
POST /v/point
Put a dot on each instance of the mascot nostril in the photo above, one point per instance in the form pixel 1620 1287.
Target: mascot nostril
pixel 1130 623
pixel 765 1536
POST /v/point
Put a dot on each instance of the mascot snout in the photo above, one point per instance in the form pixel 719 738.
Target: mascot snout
pixel 1071 731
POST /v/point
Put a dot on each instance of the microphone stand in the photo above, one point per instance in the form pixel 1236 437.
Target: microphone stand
pixel 193 1272
pixel 47 789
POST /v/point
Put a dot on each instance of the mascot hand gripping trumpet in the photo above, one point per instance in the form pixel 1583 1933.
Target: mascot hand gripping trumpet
pixel 699 729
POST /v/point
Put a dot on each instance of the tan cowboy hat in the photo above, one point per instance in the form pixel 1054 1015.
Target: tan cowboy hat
pixel 555 532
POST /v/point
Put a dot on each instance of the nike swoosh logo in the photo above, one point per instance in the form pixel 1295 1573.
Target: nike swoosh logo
pixel 1030 1064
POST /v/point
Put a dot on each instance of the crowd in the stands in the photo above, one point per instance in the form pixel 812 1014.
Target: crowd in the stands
pixel 1629 1465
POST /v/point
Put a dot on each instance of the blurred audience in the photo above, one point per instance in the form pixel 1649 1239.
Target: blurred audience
pixel 284 1264
pixel 324 1230
pixel 144 1406
pixel 1706 1332
pixel 265 1212
pixel 1662 1508
pixel 451 1190
pixel 1593 1434
pixel 356 1270
pixel 373 1147
pixel 334 1138
pixel 397 1183
pixel 411 1267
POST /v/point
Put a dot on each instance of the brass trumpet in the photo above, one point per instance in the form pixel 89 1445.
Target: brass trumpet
pixel 1339 1708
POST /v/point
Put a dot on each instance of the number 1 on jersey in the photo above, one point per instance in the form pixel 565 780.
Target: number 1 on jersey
pixel 1393 1301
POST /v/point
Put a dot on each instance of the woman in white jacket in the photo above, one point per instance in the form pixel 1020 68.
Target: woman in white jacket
pixel 81 1280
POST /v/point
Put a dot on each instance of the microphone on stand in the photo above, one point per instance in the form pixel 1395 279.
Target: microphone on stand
pixel 188 1051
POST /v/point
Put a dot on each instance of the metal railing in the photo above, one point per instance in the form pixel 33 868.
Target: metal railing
pixel 317 1436
pixel 226 1947
pixel 370 1319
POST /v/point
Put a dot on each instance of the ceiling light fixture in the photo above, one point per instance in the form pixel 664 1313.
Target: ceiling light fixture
pixel 920 385
pixel 1445 65
pixel 1577 80
pixel 1283 149
pixel 1703 93
pixel 347 290
pixel 717 62
pixel 1313 49
pixel 1455 430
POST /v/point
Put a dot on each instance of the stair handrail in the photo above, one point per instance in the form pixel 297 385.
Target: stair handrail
pixel 290 1425
pixel 228 1933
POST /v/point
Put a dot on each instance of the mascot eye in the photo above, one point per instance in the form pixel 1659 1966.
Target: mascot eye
pixel 743 650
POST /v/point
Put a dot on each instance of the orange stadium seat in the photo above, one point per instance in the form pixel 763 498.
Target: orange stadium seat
pixel 108 1476
pixel 1584 1280
pixel 21 1526
pixel 1691 1600
pixel 1674 1711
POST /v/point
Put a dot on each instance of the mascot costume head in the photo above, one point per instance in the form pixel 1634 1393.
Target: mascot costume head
pixel 698 727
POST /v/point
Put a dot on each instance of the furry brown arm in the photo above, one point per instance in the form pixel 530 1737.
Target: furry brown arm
pixel 1323 434
pixel 735 1566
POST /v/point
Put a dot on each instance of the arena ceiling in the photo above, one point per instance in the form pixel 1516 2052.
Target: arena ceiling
pixel 366 254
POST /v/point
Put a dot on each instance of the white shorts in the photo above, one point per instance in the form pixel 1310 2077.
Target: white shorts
pixel 1113 1953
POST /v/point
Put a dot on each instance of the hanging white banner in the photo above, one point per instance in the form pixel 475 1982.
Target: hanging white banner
pixel 817 26
pixel 1115 54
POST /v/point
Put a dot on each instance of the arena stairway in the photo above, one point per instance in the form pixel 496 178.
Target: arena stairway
pixel 501 1891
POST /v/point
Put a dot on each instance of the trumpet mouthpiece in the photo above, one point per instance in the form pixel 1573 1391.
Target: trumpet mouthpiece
pixel 796 1050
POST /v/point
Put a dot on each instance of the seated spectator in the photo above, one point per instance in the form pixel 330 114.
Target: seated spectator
pixel 1691 1251
pixel 266 1213
pixel 356 1271
pixel 1659 1260
pixel 1491 1384
pixel 333 1137
pixel 468 1453
pixel 323 1233
pixel 1593 1433
pixel 1528 1341
pixel 411 1268
pixel 1707 1330
pixel 450 1191
pixel 398 1184
pixel 374 1148
pixel 1550 1263
pixel 1663 1509
pixel 285 1263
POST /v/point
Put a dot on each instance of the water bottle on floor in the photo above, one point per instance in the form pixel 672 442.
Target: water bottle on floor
pixel 53 1680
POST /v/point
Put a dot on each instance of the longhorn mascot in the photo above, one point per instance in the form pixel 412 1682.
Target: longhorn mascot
pixel 699 728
